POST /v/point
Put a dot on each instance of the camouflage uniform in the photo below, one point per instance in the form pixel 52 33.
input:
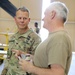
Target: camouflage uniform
pixel 26 42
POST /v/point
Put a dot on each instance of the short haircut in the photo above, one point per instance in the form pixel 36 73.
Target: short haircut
pixel 24 9
pixel 60 9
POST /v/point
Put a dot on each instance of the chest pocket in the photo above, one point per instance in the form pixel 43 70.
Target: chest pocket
pixel 26 43
pixel 22 43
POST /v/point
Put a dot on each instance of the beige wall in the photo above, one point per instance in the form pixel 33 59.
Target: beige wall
pixel 70 27
pixel 7 21
pixel 35 7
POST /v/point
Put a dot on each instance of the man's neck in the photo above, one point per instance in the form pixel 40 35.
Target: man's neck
pixel 57 28
pixel 23 31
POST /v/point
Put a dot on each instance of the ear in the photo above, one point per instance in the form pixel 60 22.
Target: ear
pixel 29 19
pixel 15 18
pixel 53 14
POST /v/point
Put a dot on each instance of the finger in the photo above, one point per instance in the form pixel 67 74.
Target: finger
pixel 20 60
pixel 16 55
pixel 19 57
pixel 13 50
pixel 21 67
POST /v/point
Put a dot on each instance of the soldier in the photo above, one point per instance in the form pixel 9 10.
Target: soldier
pixel 37 29
pixel 53 56
pixel 25 40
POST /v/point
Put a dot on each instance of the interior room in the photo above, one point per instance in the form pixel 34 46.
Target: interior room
pixel 36 7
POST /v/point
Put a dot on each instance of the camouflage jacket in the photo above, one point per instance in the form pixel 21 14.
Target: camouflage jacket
pixel 27 43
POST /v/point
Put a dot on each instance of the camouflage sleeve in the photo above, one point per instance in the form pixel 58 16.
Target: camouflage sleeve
pixel 37 41
pixel 11 44
pixel 4 71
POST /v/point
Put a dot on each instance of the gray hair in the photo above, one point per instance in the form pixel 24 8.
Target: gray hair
pixel 61 10
pixel 24 9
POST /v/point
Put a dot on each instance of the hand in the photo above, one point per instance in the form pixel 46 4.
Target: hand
pixel 16 52
pixel 27 66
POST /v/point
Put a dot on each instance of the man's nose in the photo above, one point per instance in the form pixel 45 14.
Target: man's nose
pixel 22 19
